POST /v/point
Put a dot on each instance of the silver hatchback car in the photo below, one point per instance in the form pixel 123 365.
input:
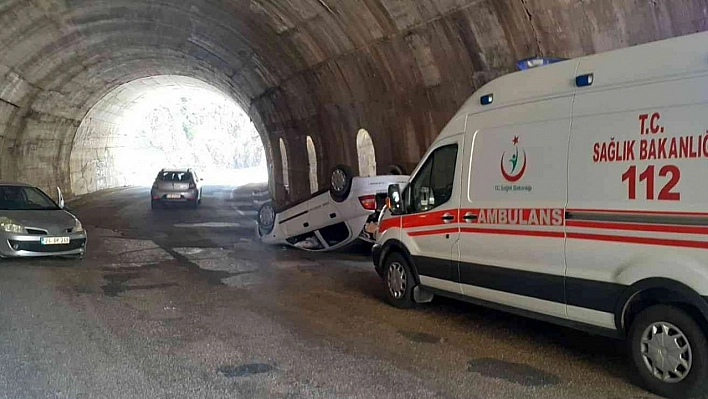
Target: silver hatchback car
pixel 32 224
pixel 176 186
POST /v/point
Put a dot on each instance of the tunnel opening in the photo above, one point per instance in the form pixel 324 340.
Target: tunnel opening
pixel 285 165
pixel 366 153
pixel 312 161
pixel 165 122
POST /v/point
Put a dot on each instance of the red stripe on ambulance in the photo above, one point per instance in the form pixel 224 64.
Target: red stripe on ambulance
pixel 659 228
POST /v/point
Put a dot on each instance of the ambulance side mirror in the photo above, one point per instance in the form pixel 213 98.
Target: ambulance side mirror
pixel 394 200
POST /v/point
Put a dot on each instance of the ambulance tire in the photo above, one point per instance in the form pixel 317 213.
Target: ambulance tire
pixel 684 330
pixel 399 281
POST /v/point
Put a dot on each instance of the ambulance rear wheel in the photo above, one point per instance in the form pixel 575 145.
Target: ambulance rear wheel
pixel 398 281
pixel 669 351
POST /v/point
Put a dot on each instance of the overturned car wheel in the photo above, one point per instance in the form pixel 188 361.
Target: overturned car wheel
pixel 341 182
pixel 396 170
pixel 266 218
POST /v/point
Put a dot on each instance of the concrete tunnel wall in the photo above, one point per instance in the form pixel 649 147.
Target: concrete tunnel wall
pixel 324 68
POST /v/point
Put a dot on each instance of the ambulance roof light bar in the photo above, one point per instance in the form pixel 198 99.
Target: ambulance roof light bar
pixel 535 62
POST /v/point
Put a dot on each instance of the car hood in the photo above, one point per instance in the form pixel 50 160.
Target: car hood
pixel 54 221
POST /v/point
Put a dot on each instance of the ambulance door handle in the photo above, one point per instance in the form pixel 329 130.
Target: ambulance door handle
pixel 448 218
pixel 469 217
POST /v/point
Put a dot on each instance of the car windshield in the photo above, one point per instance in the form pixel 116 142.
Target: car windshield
pixel 174 176
pixel 21 198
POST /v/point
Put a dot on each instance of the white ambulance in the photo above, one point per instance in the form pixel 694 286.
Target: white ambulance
pixel 576 193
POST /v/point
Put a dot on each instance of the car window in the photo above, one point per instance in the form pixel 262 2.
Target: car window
pixel 175 176
pixel 433 184
pixel 24 199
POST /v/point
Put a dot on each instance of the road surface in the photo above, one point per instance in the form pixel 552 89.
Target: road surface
pixel 180 303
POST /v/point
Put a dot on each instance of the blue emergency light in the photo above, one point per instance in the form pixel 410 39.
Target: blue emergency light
pixel 584 80
pixel 486 99
pixel 534 62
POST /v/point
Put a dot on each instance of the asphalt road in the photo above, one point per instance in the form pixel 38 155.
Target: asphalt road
pixel 180 303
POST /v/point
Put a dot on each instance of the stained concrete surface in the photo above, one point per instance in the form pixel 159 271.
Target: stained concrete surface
pixel 206 312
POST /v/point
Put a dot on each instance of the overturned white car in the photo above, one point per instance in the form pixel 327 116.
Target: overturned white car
pixel 331 218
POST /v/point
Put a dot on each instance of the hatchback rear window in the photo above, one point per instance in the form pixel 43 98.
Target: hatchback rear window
pixel 174 176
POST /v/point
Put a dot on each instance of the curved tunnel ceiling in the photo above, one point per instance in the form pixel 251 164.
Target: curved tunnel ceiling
pixel 324 68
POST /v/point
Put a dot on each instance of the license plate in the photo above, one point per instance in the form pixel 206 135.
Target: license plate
pixel 174 196
pixel 54 240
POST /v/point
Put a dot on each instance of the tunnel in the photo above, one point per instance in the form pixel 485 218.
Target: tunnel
pixel 310 73
pixel 104 150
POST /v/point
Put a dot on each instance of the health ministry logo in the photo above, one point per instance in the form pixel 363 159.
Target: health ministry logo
pixel 513 166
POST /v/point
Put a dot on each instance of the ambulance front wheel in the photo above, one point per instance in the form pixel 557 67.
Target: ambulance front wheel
pixel 398 281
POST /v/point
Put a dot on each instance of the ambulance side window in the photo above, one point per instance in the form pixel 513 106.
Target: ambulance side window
pixel 433 184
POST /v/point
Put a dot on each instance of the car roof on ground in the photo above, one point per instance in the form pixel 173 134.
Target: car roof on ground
pixel 14 183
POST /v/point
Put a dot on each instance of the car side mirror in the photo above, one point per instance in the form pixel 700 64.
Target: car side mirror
pixel 394 200
pixel 60 198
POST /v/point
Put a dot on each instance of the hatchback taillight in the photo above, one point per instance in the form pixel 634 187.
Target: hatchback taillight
pixel 368 202
pixel 192 186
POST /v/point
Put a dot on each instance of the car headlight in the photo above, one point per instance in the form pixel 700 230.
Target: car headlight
pixel 9 226
pixel 78 227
